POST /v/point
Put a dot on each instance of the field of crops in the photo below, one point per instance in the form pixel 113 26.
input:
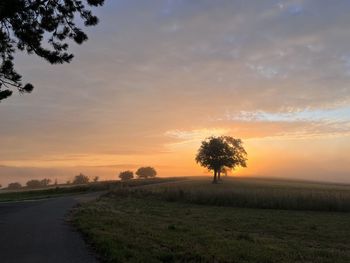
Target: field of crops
pixel 252 193
pixel 196 221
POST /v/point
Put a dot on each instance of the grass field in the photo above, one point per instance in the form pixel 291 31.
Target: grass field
pixel 196 221
pixel 254 193
pixel 61 190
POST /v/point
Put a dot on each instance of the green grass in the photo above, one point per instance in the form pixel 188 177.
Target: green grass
pixel 51 192
pixel 143 224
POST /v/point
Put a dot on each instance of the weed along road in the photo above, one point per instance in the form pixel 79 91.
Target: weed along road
pixel 37 232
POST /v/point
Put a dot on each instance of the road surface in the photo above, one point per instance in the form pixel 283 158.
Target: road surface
pixel 37 232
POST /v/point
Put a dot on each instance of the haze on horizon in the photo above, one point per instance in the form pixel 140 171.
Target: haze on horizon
pixel 157 77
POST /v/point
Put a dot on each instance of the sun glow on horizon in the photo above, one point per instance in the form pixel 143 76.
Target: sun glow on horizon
pixel 150 85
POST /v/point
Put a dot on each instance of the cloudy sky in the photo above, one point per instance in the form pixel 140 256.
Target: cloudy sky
pixel 158 76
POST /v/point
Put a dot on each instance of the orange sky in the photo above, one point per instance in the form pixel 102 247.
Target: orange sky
pixel 157 77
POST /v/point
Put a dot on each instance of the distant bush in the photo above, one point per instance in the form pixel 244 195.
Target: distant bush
pixel 126 175
pixel 146 172
pixel 81 179
pixel 14 186
pixel 34 184
pixel 96 178
pixel 38 183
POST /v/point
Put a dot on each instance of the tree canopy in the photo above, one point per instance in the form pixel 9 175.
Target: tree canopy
pixel 216 153
pixel 14 186
pixel 146 172
pixel 40 27
pixel 126 175
pixel 81 179
pixel 38 183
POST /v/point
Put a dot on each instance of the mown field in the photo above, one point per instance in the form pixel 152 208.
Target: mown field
pixel 238 220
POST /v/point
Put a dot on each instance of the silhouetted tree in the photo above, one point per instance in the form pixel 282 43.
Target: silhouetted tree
pixel 81 179
pixel 38 183
pixel 146 172
pixel 0 185
pixel 126 175
pixel 41 27
pixel 14 186
pixel 216 153
pixel 45 182
pixel 34 184
pixel 224 171
pixel 96 178
pixel 239 158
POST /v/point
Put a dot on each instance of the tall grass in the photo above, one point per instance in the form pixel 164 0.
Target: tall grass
pixel 252 195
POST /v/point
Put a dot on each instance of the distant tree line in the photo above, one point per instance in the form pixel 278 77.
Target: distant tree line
pixel 83 179
pixel 35 183
pixel 38 183
pixel 142 173
pixel 31 184
pixel 14 186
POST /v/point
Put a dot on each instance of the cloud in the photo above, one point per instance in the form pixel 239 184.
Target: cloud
pixel 156 73
pixel 341 114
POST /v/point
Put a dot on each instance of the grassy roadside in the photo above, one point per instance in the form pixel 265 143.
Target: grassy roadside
pixel 51 192
pixel 138 226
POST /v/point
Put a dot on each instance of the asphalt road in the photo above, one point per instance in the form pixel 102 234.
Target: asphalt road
pixel 37 232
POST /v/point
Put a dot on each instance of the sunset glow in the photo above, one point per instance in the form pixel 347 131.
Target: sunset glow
pixel 158 77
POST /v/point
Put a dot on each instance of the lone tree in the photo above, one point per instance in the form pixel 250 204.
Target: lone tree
pixel 126 175
pixel 40 27
pixel 221 152
pixel 146 172
pixel 81 179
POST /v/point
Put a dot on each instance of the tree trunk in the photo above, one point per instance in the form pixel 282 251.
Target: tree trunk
pixel 215 180
pixel 219 177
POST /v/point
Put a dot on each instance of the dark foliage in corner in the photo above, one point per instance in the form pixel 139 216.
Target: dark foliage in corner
pixel 40 27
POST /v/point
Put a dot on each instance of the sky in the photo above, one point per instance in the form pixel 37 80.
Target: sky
pixel 156 77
